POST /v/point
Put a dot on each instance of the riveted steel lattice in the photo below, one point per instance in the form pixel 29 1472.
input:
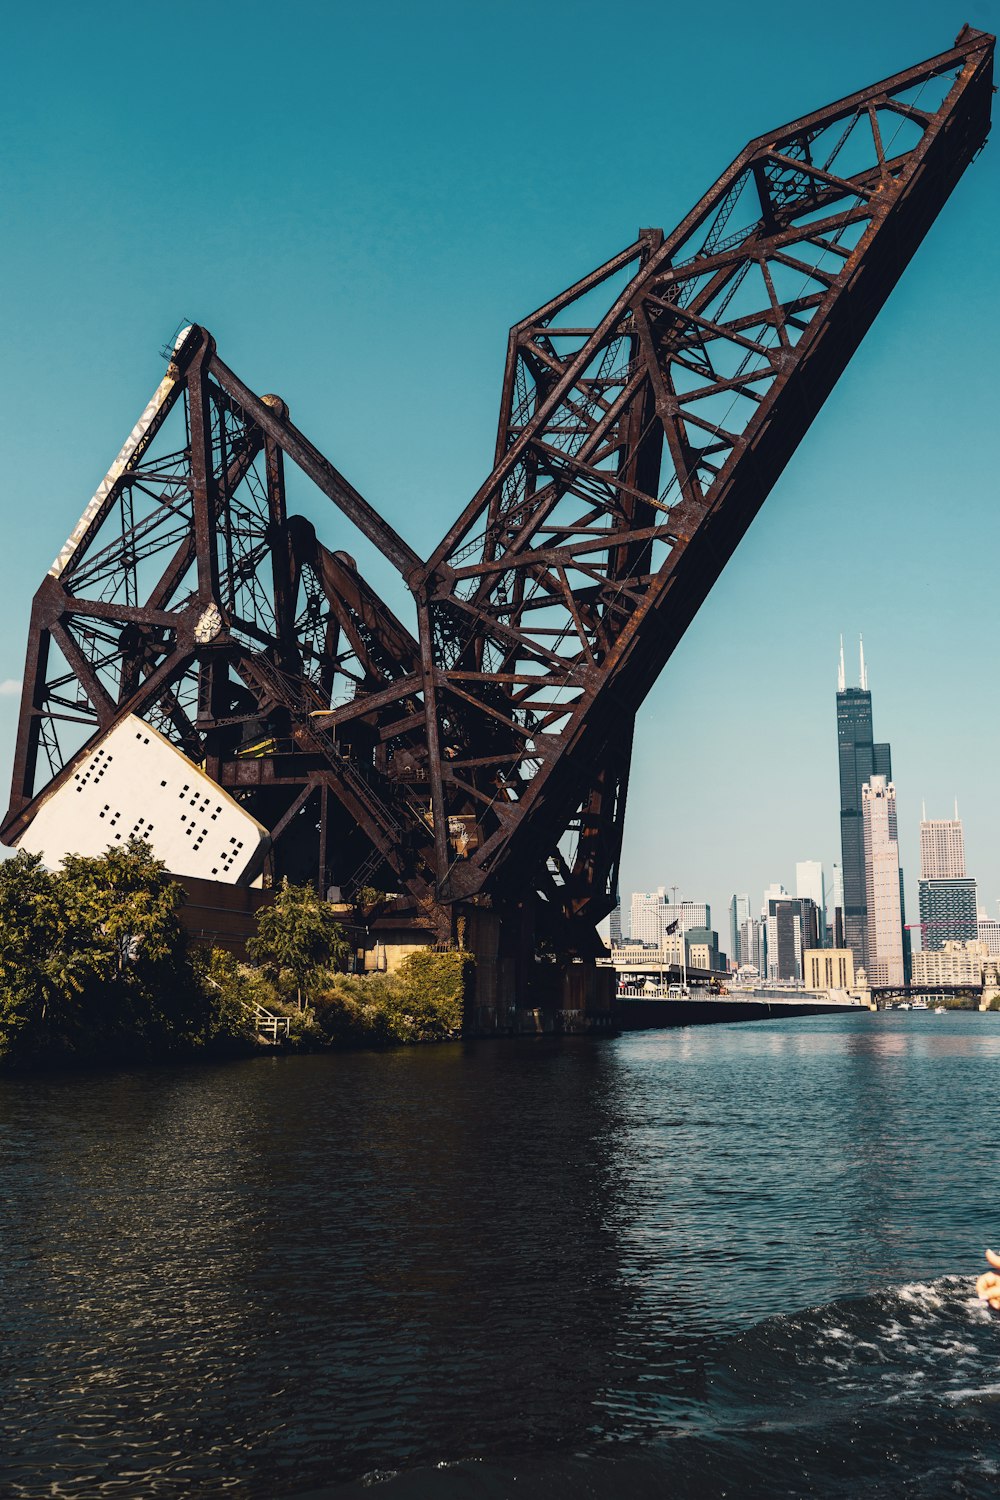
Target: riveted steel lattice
pixel 647 411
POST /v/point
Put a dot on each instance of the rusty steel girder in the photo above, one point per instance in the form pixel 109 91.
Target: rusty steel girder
pixel 646 413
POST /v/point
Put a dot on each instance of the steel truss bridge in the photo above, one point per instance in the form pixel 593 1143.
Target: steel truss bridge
pixel 476 758
pixel 885 994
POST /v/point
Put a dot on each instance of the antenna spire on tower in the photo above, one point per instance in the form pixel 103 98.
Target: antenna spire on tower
pixel 841 675
pixel 864 671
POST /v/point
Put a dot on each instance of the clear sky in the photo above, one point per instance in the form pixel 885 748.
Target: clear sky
pixel 359 200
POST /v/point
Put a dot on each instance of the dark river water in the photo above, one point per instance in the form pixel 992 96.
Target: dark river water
pixel 721 1261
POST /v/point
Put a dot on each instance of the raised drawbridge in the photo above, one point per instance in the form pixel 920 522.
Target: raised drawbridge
pixel 475 759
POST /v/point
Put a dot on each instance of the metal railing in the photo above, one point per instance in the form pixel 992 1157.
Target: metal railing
pixel 268 1024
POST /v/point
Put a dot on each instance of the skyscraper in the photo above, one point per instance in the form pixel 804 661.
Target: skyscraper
pixel 885 956
pixel 942 848
pixel 948 902
pixel 739 912
pixel 646 925
pixel 687 914
pixel 837 925
pixel 809 882
pixel 753 945
pixel 654 917
pixel 948 912
pixel 989 934
pixel 860 760
pixel 792 926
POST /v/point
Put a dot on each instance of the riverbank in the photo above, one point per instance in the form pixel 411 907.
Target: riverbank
pixel 96 969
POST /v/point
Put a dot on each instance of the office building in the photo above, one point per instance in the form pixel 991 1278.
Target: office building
pixel 809 881
pixel 942 848
pixel 687 914
pixel 698 950
pixel 748 954
pixel 639 954
pixel 753 945
pixel 860 758
pixel 616 922
pixel 948 901
pixel 989 934
pixel 836 921
pixel 948 912
pixel 653 917
pixel 739 912
pixel 885 956
pixel 705 942
pixel 792 927
pixel 952 964
pixel 646 924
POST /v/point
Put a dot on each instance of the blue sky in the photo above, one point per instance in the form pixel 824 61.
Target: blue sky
pixel 358 201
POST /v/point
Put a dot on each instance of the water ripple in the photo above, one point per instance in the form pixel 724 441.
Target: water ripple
pixel 684 1259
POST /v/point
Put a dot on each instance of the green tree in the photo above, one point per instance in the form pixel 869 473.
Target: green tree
pixel 41 976
pixel 300 934
pixel 144 996
pixel 93 959
pixel 234 991
pixel 423 1001
pixel 130 903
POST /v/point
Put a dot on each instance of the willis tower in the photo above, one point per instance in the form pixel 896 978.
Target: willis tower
pixel 860 759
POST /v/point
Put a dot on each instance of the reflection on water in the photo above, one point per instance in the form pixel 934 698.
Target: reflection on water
pixel 277 1275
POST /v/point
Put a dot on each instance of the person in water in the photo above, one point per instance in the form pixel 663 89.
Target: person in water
pixel 988 1285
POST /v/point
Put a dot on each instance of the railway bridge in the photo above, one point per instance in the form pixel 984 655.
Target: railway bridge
pixel 473 758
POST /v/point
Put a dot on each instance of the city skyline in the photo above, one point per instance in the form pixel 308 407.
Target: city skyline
pixel 772 831
pixel 941 845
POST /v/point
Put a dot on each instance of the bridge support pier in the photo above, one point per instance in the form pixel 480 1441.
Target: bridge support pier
pixel 516 991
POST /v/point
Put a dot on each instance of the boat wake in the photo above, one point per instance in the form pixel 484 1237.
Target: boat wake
pixel 896 1394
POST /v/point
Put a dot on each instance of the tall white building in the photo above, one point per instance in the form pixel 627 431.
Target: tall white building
pixel 753 945
pixel 838 885
pixel 739 912
pixel 989 934
pixel 766 940
pixel 942 849
pixel 654 917
pixel 947 894
pixel 646 924
pixel 687 913
pixel 884 957
pixel 809 881
pixel 837 905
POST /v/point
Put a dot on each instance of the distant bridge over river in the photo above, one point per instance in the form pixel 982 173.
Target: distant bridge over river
pixel 885 995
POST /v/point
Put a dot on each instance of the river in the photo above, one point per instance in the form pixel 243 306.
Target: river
pixel 721 1261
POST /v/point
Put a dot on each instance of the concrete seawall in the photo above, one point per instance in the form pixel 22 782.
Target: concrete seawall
pixel 632 1014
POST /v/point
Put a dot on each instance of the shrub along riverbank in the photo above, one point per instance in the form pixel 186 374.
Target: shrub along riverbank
pixel 95 968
